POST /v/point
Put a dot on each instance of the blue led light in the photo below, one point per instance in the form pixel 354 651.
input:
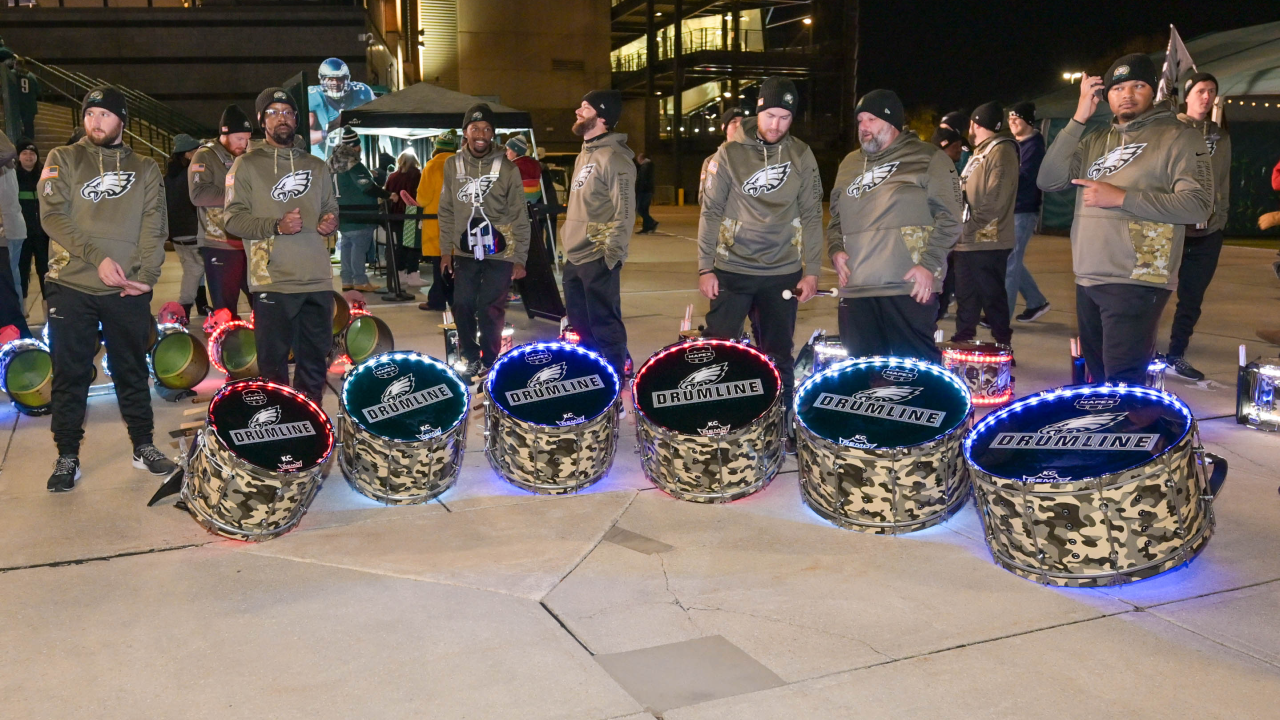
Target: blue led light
pixel 409 356
pixel 521 350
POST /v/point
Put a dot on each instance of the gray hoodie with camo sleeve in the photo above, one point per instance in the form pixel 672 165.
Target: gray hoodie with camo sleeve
pixel 207 180
pixel 891 211
pixel 1163 167
pixel 500 194
pixel 761 208
pixel 602 202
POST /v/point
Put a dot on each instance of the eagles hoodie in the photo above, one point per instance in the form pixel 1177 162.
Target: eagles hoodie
pixel 762 210
pixel 263 185
pixel 602 202
pixel 207 177
pixel 1163 166
pixel 98 203
pixel 891 211
pixel 500 194
pixel 990 181
pixel 1219 144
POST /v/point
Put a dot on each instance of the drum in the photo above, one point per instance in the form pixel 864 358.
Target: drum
pixel 984 367
pixel 709 420
pixel 819 353
pixel 403 424
pixel 26 374
pixel 1256 396
pixel 178 361
pixel 365 337
pixel 878 444
pixel 233 350
pixel 551 417
pixel 341 313
pixel 1093 485
pixel 258 462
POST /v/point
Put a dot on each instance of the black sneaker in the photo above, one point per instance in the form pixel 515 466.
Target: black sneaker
pixel 148 457
pixel 1033 314
pixel 66 471
pixel 1183 368
pixel 472 371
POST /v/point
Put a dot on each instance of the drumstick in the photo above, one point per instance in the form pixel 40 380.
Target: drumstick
pixel 788 294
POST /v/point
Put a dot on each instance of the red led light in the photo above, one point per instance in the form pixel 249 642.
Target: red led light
pixel 963 356
pixel 572 337
pixel 216 338
pixel 250 383
pixel 684 345
pixel 993 400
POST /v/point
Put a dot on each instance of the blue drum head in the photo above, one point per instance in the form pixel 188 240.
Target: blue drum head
pixel 271 426
pixel 552 384
pixel 404 396
pixel 882 403
pixel 1077 433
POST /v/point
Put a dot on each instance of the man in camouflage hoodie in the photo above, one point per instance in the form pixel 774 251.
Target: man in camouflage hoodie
pixel 1142 180
pixel 223 253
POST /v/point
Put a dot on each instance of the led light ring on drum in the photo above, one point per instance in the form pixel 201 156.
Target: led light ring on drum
pixel 952 358
pixel 351 432
pixel 986 486
pixel 22 398
pixel 210 434
pixel 493 412
pixel 646 435
pixel 214 347
pixel 805 437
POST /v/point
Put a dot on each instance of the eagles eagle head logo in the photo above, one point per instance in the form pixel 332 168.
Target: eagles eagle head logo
pixel 1114 161
pixel 108 185
pixel 476 189
pixel 1084 424
pixel 704 376
pixel 295 184
pixel 767 179
pixel 265 417
pixel 400 387
pixel 890 394
pixel 547 375
pixel 871 179
pixel 583 174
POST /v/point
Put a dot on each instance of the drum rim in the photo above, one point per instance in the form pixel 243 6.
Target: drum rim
pixel 327 424
pixel 378 323
pixel 673 347
pixel 11 350
pixel 411 354
pixel 981 344
pixel 950 377
pixel 525 349
pixel 214 344
pixel 1068 391
pixel 174 329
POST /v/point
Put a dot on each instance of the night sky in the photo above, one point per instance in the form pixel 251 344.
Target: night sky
pixel 960 54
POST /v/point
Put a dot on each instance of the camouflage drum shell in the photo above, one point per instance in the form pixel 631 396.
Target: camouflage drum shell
pixel 712 469
pixel 1101 531
pixel 400 473
pixel 550 460
pixel 885 491
pixel 234 499
pixel 986 379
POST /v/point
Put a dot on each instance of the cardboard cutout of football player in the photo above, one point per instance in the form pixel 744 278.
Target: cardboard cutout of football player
pixel 326 101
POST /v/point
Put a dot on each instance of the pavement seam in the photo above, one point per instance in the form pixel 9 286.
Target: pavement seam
pixel 103 558
pixel 13 432
pixel 565 627
pixel 592 549
pixel 1215 641
pixel 1203 595
pixel 799 626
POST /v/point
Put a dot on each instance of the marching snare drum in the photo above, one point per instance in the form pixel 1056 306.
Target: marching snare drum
pixel 178 361
pixel 984 367
pixel 258 462
pixel 878 443
pixel 233 350
pixel 1256 396
pixel 551 417
pixel 1093 485
pixel 709 419
pixel 26 374
pixel 403 427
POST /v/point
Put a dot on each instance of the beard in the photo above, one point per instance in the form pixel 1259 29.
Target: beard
pixel 876 142
pixel 1126 116
pixel 582 127
pixel 283 135
pixel 104 140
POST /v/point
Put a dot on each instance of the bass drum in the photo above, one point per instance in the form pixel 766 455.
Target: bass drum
pixel 258 462
pixel 178 361
pixel 403 426
pixel 234 351
pixel 365 337
pixel 709 420
pixel 1093 485
pixel 878 444
pixel 26 374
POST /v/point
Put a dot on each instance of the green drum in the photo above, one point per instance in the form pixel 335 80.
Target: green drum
pixel 341 313
pixel 26 374
pixel 178 361
pixel 365 337
pixel 234 351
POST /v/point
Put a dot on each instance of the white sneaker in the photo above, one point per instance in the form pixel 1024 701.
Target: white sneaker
pixel 409 280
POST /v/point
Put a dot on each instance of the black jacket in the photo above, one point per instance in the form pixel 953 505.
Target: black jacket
pixel 644 177
pixel 29 199
pixel 182 214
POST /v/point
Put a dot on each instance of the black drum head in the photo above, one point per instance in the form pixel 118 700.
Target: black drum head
pixel 271 426
pixel 554 384
pixel 706 387
pixel 1076 433
pixel 882 403
pixel 404 396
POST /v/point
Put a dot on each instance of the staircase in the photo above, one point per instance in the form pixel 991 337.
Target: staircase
pixel 56 123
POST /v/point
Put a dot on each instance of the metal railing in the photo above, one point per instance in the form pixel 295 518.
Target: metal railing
pixel 695 40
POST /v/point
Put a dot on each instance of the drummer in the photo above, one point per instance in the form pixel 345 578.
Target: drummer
pixel 281 203
pixel 103 208
pixel 895 215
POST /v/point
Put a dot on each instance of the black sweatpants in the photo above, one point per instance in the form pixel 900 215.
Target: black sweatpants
pixel 10 300
pixel 773 318
pixel 980 289
pixel 1118 326
pixel 593 301
pixel 1199 263
pixel 892 326
pixel 73 335
pixel 302 322
pixel 480 291
pixel 226 275
pixel 35 249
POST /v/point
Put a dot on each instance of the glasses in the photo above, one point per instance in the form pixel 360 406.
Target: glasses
pixel 275 113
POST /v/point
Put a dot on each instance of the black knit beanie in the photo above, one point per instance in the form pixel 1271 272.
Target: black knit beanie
pixel 1026 111
pixel 607 104
pixel 989 115
pixel 777 92
pixel 955 120
pixel 107 98
pixel 480 112
pixel 728 115
pixel 1193 79
pixel 234 121
pixel 884 104
pixel 270 96
pixel 1134 66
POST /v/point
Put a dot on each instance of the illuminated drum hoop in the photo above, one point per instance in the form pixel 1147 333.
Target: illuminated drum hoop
pixel 985 367
pixel 234 336
pixel 26 376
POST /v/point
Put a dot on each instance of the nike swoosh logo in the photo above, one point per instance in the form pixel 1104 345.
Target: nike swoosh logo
pixel 1201 154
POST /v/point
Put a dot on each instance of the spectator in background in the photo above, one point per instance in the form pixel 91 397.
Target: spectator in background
pixel 953 145
pixel 183 225
pixel 37 245
pixel 12 225
pixel 357 209
pixel 14 232
pixel 530 169
pixel 1026 212
pixel 958 122
pixel 406 178
pixel 644 193
pixel 440 296
pixel 27 99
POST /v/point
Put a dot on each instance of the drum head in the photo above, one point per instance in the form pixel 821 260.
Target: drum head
pixel 179 361
pixel 706 387
pixel 239 352
pixel 271 426
pixel 404 396
pixel 553 384
pixel 882 403
pixel 1077 433
pixel 367 336
pixel 28 375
